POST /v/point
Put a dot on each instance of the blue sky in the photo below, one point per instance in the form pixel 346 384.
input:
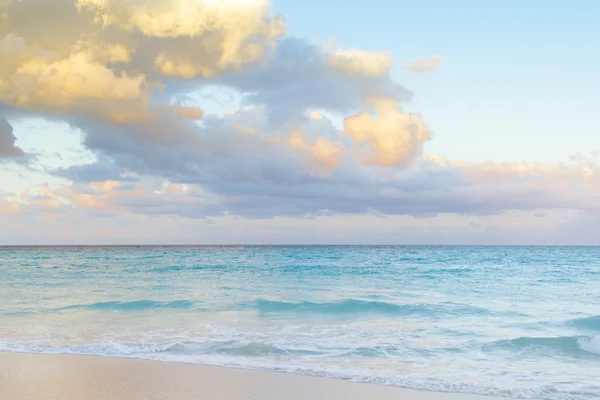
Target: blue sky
pixel 480 154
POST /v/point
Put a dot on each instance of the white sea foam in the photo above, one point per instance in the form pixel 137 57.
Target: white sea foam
pixel 161 352
pixel 590 344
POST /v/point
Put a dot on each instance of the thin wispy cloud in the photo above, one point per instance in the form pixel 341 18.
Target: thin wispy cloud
pixel 425 64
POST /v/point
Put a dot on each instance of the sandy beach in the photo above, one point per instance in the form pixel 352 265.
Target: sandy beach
pixel 72 377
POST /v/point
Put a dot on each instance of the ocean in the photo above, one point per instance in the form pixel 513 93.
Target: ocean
pixel 520 322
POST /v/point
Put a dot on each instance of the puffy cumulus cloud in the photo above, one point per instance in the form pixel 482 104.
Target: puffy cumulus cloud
pixel 118 51
pixel 311 169
pixel 424 65
pixel 8 149
pixel 179 149
pixel 360 62
pixel 391 136
pixel 113 66
pixel 121 71
pixel 181 17
pixel 209 36
pixel 298 77
pixel 75 84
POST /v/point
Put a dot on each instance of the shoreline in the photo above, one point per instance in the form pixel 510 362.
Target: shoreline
pixel 75 377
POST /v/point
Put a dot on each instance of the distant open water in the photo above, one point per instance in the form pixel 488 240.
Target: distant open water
pixel 507 321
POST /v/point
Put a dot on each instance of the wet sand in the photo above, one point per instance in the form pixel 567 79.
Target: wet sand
pixel 72 377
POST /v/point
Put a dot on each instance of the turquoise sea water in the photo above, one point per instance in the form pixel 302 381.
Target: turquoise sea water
pixel 507 321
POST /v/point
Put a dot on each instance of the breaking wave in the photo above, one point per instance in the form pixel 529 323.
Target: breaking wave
pixel 355 306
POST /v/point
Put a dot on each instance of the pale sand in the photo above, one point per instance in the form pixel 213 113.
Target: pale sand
pixel 70 377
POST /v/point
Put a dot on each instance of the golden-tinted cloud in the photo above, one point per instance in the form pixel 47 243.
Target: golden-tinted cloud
pixel 100 56
pixel 125 71
pixel 425 64
pixel 321 155
pixel 192 113
pixel 360 62
pixel 390 137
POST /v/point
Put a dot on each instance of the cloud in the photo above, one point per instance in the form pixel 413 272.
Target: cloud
pixel 506 228
pixel 73 84
pixel 317 132
pixel 321 156
pixel 315 115
pixel 391 137
pixel 299 77
pixel 123 66
pixel 360 62
pixel 193 113
pixel 102 170
pixel 108 56
pixel 426 190
pixel 313 168
pixel 7 141
pixel 425 64
pixel 8 206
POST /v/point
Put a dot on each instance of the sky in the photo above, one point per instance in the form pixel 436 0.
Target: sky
pixel 288 122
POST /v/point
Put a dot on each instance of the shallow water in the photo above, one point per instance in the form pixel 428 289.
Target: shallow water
pixel 508 321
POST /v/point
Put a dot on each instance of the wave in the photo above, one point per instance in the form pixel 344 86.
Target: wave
pixel 258 349
pixel 138 305
pixel 229 347
pixel 345 307
pixel 586 323
pixel 179 348
pixel 590 344
pixel 237 355
pixel 177 268
pixel 355 306
pixel 576 346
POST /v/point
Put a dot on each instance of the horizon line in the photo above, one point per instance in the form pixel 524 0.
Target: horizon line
pixel 296 245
